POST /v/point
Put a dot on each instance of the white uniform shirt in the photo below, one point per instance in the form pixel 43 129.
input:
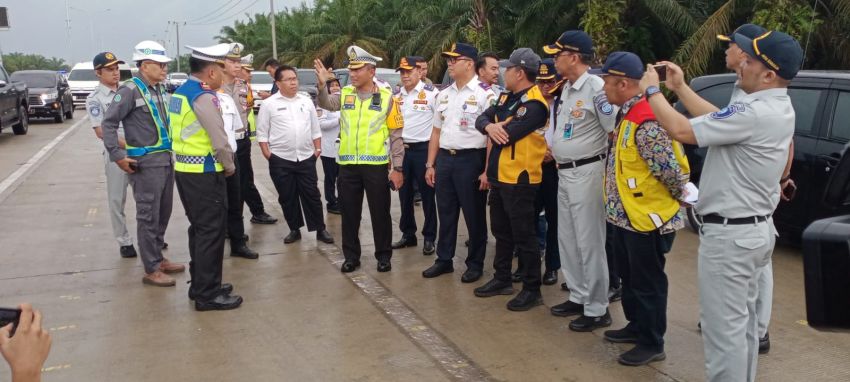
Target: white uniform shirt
pixel 289 126
pixel 232 119
pixel 584 119
pixel 457 110
pixel 329 123
pixel 417 108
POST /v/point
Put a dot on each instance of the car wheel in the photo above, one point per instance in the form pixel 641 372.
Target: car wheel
pixel 22 126
pixel 693 222
pixel 70 113
pixel 60 117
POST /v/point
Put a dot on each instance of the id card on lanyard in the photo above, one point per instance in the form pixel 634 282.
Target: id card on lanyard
pixel 568 127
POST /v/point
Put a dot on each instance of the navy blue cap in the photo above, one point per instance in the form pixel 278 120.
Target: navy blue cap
pixel 547 70
pixel 407 63
pixel 776 50
pixel 104 59
pixel 623 64
pixel 574 41
pixel 524 57
pixel 461 49
pixel 750 30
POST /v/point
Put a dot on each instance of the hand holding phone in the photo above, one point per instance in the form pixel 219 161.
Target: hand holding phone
pixel 27 350
pixel 662 72
pixel 10 316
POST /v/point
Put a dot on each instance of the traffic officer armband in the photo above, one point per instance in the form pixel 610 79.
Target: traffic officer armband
pixel 394 117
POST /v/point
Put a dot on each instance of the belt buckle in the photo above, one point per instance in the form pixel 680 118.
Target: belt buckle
pixel 407 145
pixel 452 151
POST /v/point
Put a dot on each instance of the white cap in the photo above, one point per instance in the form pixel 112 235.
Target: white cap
pixel 248 62
pixel 214 53
pixel 150 50
pixel 357 57
pixel 235 51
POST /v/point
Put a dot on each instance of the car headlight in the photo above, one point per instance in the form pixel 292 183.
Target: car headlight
pixel 49 96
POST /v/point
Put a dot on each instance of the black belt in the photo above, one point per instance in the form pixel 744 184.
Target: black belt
pixel 416 145
pixel 717 219
pixel 454 152
pixel 581 162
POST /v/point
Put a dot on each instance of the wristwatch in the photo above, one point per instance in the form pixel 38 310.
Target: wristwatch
pixel 398 169
pixel 651 91
pixel 429 165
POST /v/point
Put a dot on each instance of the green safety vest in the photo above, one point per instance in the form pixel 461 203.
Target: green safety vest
pixel 192 146
pixel 363 127
pixel 163 142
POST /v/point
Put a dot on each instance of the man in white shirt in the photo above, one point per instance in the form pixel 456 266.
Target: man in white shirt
pixel 418 102
pixel 329 123
pixel 290 138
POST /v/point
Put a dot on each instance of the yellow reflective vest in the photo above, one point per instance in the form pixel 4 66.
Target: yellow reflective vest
pixel 193 149
pixel 365 126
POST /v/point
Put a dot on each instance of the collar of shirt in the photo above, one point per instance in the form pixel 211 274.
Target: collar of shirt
pixel 766 93
pixel 416 89
pixel 154 86
pixel 580 81
pixel 471 84
pixel 102 89
pixel 630 103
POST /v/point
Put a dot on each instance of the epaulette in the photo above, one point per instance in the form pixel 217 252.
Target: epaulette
pixel 430 87
pixel 558 86
pixel 484 86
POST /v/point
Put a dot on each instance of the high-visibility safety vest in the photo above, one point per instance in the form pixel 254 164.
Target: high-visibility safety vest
pixel 163 142
pixel 193 149
pixel 252 124
pixel 365 126
pixel 647 201
pixel 520 163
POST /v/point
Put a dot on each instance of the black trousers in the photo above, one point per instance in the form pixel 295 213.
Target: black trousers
pixel 354 180
pixel 415 157
pixel 512 221
pixel 298 191
pixel 613 270
pixel 457 190
pixel 204 197
pixel 547 199
pixel 331 170
pixel 235 222
pixel 640 258
pixel 246 177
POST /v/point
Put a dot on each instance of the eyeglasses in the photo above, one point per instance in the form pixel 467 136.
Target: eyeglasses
pixel 162 65
pixel 546 82
pixel 454 60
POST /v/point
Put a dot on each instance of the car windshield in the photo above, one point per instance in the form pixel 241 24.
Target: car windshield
pixel 261 78
pixel 82 75
pixel 393 79
pixel 36 80
pixel 307 78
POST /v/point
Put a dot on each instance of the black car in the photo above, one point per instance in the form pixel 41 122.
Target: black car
pixel 821 101
pixel 49 94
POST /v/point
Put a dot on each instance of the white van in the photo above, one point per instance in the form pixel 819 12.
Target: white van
pixel 83 80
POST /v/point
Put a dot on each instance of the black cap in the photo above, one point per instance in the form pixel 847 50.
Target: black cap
pixel 105 59
pixel 524 57
pixel 623 64
pixel 407 63
pixel 461 49
pixel 776 50
pixel 574 41
pixel 547 70
pixel 751 31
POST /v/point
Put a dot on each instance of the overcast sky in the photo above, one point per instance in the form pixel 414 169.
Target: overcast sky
pixel 39 26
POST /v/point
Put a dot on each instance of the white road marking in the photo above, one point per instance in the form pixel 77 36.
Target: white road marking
pixel 12 181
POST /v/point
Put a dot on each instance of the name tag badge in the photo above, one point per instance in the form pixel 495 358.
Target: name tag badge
pixel 568 131
pixel 348 102
pixel 464 123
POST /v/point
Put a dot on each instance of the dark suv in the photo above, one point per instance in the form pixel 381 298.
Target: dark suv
pixel 49 94
pixel 821 101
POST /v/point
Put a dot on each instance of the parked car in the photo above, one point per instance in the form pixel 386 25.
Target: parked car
pixel 82 80
pixel 174 80
pixel 821 101
pixel 13 103
pixel 261 81
pixel 49 94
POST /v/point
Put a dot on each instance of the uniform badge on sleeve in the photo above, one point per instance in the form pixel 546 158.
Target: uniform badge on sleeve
pixel 94 111
pixel 117 98
pixel 728 111
pixel 521 111
pixel 602 105
pixel 216 102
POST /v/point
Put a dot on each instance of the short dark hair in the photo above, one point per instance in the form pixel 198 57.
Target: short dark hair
pixel 197 65
pixel 530 75
pixel 585 58
pixel 282 68
pixel 271 62
pixel 482 60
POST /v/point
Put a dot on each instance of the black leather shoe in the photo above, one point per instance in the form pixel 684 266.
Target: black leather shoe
pixel 428 248
pixel 263 218
pixel 587 323
pixel 516 277
pixel 220 302
pixel 324 236
pixel 564 287
pixel 525 300
pixel 242 250
pixel 349 266
pixel 334 209
pixel 550 277
pixel 384 266
pixel 615 294
pixel 128 251
pixel 225 289
pixel 494 288
pixel 404 242
pixel 471 276
pixel 567 309
pixel 639 356
pixel 621 336
pixel 764 344
pixel 292 237
pixel 437 269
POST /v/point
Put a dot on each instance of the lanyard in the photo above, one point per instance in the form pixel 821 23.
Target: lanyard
pixel 161 124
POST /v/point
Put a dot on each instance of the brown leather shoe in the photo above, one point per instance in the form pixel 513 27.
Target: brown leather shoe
pixel 169 267
pixel 158 279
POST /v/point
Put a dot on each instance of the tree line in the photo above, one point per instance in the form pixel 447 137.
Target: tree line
pixel 14 62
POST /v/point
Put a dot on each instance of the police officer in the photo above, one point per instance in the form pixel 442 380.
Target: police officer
pixel 645 176
pixel 203 158
pixel 547 195
pixel 139 106
pixel 368 116
pixel 515 128
pixel 748 144
pixel 457 163
pixel 418 102
pixel 97 103
pixel 583 119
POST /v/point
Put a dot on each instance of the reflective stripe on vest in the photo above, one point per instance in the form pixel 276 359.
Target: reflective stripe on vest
pixel 192 146
pixel 647 201
pixel 163 142
pixel 363 127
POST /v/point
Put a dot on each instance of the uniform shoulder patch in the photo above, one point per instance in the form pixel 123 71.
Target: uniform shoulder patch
pixel 484 86
pixel 117 98
pixel 728 111
pixel 175 105
pixel 430 87
pixel 216 103
pixel 602 105
pixel 94 110
pixel 521 112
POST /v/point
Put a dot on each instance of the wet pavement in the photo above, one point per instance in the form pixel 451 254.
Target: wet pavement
pixel 302 319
